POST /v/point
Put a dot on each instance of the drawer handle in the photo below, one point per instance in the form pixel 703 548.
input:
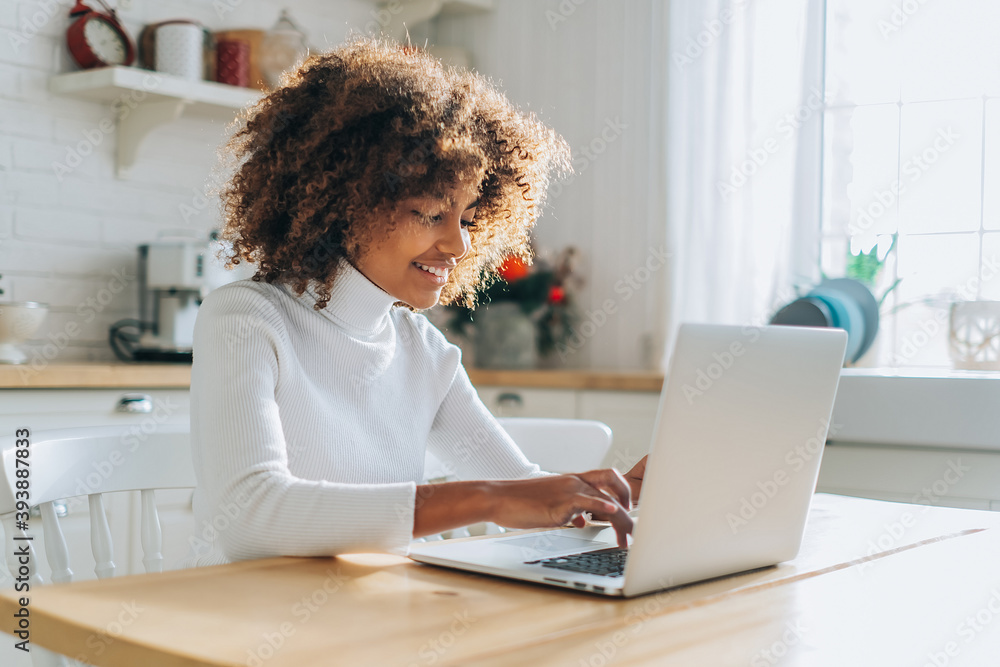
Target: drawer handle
pixel 135 403
pixel 510 400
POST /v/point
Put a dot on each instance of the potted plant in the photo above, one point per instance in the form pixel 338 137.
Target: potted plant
pixel 522 313
pixel 865 265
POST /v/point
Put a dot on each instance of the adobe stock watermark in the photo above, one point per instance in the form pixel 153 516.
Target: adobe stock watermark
pixel 900 13
pixel 706 377
pixel 639 614
pixel 30 25
pixel 431 651
pixel 795 460
pixel 383 15
pixel 223 7
pixel 967 630
pixel 200 200
pixel 86 311
pixel 271 642
pixel 409 165
pixel 92 138
pixel 712 29
pixel 626 286
pixel 588 153
pixel 757 157
pixel 462 453
pixel 565 9
pixel 914 167
pixel 131 439
pixel 201 543
pixel 98 643
pixel 773 654
pixel 929 495
pixel 931 326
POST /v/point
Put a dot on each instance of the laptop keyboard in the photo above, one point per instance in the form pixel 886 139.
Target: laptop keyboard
pixel 604 562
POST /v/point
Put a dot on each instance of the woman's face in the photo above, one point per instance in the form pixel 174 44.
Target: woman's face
pixel 431 236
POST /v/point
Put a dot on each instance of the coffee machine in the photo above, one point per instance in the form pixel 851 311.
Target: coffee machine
pixel 174 275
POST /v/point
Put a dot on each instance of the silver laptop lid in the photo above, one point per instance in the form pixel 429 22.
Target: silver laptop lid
pixel 740 429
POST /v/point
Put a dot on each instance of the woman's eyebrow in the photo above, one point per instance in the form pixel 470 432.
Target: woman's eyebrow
pixel 472 205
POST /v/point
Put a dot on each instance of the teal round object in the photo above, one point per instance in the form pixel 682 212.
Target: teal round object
pixel 847 315
pixel 804 312
pixel 869 306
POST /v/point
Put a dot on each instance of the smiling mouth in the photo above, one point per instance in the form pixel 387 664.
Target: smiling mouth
pixel 438 276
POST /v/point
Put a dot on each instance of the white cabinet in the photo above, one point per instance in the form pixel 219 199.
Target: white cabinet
pixel 529 402
pixel 925 475
pixel 915 436
pixel 44 409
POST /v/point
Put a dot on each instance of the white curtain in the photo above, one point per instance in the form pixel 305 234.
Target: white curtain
pixel 743 156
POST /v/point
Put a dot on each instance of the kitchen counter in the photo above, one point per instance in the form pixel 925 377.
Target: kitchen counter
pixel 608 379
pixel 84 375
pixel 98 375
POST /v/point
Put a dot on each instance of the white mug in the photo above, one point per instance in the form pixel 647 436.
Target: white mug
pixel 179 50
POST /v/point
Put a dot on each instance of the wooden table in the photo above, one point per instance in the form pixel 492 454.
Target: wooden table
pixel 875 584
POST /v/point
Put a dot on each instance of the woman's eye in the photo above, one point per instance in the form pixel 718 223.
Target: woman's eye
pixel 469 224
pixel 426 217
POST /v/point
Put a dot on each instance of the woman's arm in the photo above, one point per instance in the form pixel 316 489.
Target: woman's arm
pixel 543 502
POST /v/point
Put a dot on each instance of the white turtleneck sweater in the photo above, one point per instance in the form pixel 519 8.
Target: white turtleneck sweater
pixel 309 429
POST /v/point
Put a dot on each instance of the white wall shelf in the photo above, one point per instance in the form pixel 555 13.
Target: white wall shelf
pixel 144 100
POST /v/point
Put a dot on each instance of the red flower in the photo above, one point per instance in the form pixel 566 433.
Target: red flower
pixel 557 294
pixel 513 268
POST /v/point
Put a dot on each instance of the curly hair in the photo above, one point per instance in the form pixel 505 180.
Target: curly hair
pixel 320 163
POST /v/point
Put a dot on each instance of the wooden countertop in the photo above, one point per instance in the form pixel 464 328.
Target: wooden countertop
pixel 621 380
pixel 104 375
pixel 84 375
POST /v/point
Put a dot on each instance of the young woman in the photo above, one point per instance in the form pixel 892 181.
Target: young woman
pixel 372 184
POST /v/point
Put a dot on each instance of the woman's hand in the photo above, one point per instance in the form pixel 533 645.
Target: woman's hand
pixel 634 478
pixel 549 502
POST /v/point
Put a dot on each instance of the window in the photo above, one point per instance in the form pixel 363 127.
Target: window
pixel 911 150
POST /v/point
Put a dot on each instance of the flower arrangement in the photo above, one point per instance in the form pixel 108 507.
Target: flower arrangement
pixel 544 290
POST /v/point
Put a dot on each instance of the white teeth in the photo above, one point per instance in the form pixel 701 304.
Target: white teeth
pixel 441 273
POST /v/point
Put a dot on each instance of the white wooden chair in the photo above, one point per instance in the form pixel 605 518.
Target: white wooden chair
pixel 61 464
pixel 556 445
pixel 560 445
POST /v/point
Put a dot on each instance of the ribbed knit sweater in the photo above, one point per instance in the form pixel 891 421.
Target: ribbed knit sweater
pixel 309 428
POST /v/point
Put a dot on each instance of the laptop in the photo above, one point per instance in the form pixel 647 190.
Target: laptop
pixel 739 434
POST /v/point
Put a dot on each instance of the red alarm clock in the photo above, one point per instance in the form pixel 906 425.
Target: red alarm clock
pixel 96 39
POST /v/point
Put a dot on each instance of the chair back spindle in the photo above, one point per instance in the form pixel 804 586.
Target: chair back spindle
pixel 55 545
pixel 100 538
pixel 150 533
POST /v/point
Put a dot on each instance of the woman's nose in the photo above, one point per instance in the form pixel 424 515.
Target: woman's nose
pixel 454 239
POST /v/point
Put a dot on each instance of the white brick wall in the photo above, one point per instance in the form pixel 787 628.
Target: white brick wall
pixel 63 240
